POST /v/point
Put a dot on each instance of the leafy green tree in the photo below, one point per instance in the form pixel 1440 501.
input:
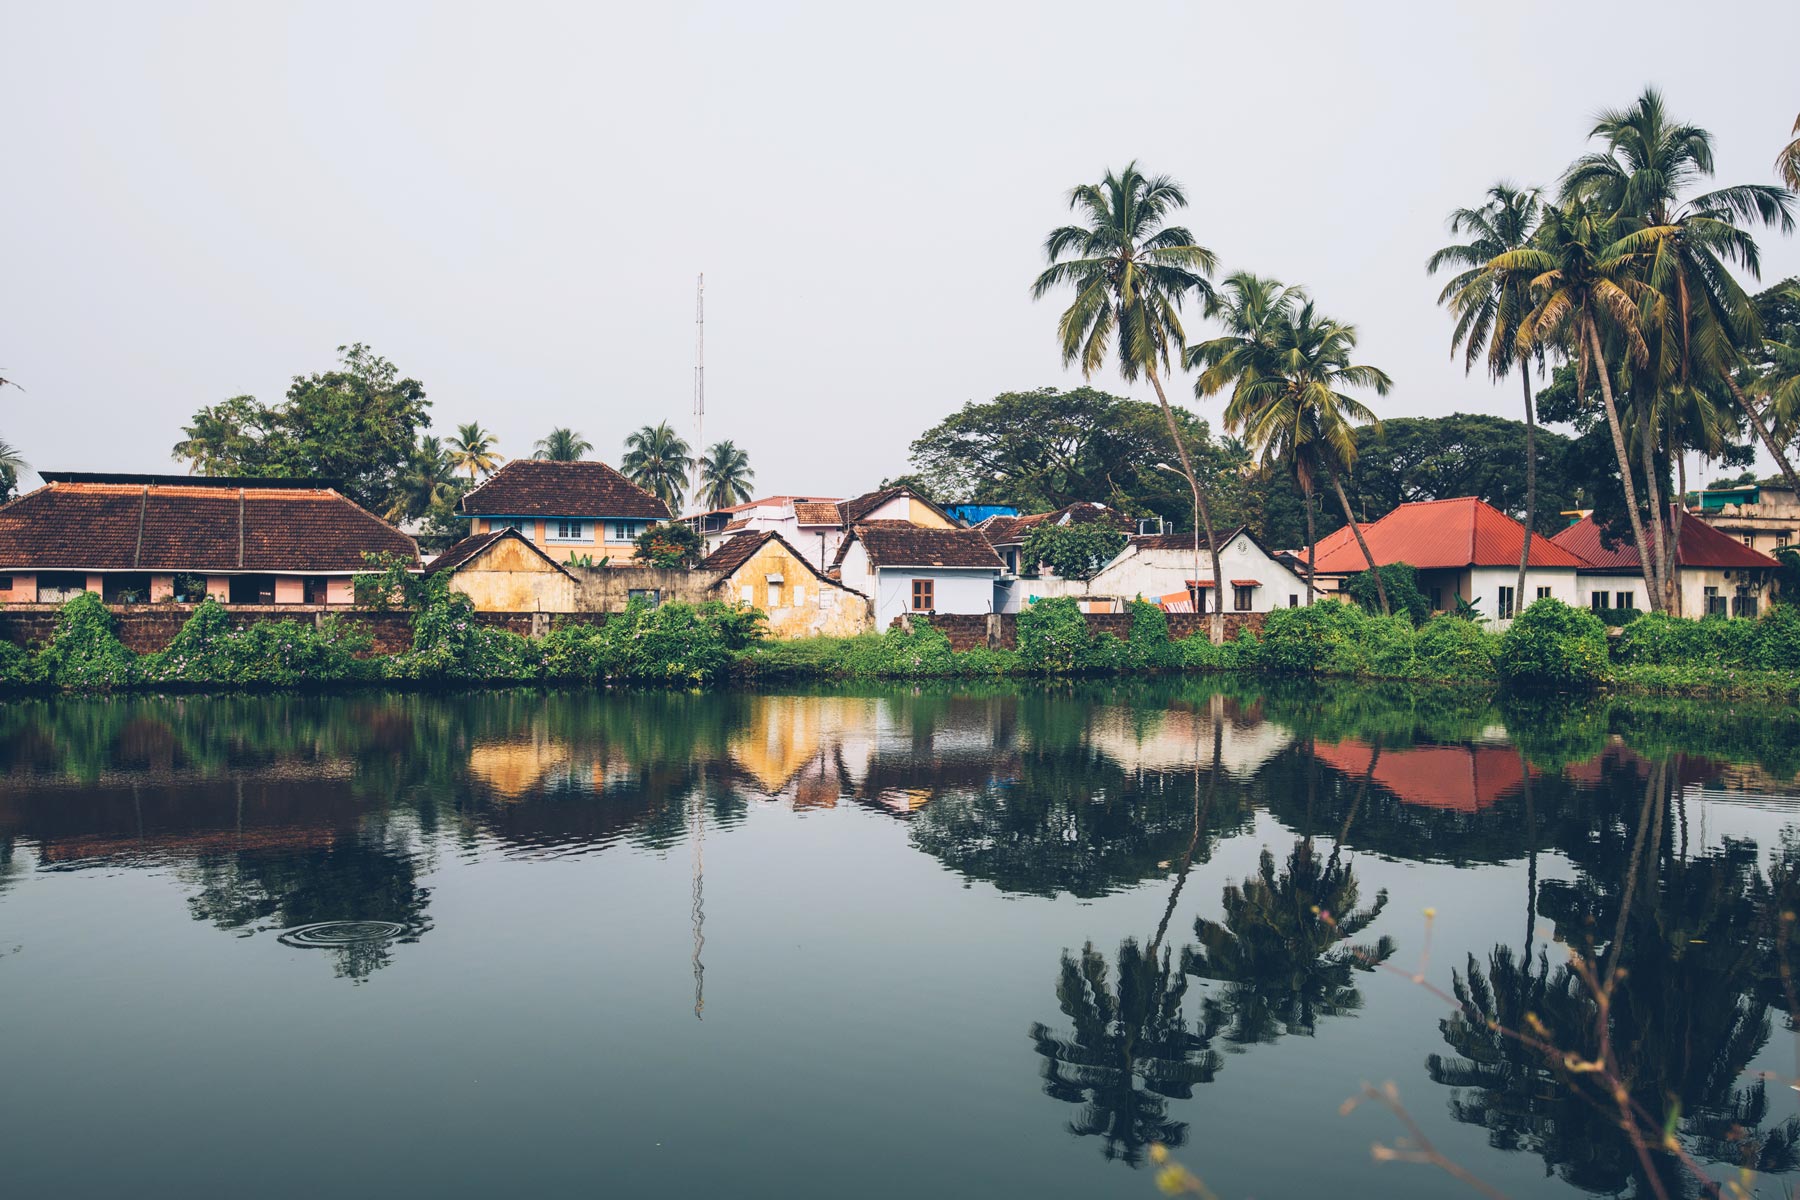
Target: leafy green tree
pixel 428 482
pixel 725 475
pixel 1074 551
pixel 1787 163
pixel 561 444
pixel 1131 271
pixel 1488 305
pixel 472 450
pixel 1407 459
pixel 1400 581
pixel 357 425
pixel 669 544
pixel 1127 1053
pixel 657 460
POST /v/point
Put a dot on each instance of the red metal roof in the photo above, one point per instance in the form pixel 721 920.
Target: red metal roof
pixel 1463 532
pixel 1701 546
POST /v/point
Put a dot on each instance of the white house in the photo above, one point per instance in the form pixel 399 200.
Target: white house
pixel 1161 567
pixel 1719 575
pixel 815 526
pixel 1463 548
pixel 907 568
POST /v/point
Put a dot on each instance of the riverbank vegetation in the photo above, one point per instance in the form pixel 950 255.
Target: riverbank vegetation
pixel 1550 646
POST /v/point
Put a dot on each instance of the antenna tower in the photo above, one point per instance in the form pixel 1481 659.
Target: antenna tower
pixel 699 383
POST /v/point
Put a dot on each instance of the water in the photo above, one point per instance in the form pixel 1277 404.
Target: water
pixel 881 942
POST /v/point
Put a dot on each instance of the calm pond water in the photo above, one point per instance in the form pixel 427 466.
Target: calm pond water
pixel 985 941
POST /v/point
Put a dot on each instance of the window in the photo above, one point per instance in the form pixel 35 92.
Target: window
pixel 1750 540
pixel 1198 596
pixel 1437 599
pixel 1743 604
pixel 251 589
pixel 568 531
pixel 775 592
pixel 1781 539
pixel 1715 603
pixel 1012 562
pixel 5 583
pixel 624 531
pixel 1505 605
pixel 318 590
pixel 1293 600
pixel 924 595
pixel 1543 593
pixel 1625 600
pixel 651 596
pixel 1240 598
pixel 517 523
pixel 1597 601
pixel 54 587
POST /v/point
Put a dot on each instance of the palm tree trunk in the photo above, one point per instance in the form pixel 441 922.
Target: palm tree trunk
pixel 1677 515
pixel 1653 495
pixel 1618 437
pixel 1200 508
pixel 1762 432
pixel 1530 477
pixel 1312 545
pixel 1380 588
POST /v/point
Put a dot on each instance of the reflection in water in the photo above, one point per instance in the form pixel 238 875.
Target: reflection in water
pixel 1284 951
pixel 320 821
pixel 1683 950
pixel 1128 1051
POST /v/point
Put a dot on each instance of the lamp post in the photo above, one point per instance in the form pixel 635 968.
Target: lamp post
pixel 1196 589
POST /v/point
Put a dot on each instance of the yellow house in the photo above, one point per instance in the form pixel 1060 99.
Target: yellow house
pixel 569 510
pixel 763 570
pixel 500 571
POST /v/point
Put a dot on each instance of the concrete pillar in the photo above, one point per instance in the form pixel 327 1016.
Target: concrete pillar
pixel 162 587
pixel 540 624
pixel 339 591
pixel 290 589
pixel 96 584
pixel 218 587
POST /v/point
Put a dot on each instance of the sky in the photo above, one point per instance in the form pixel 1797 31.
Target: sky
pixel 513 202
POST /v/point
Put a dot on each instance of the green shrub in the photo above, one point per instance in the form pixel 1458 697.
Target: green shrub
pixel 1318 637
pixel 210 650
pixel 1553 645
pixel 579 651
pixel 1385 647
pixel 1053 636
pixel 982 661
pixel 669 544
pixel 1449 647
pixel 1401 581
pixel 923 651
pixel 1656 638
pixel 18 668
pixel 84 652
pixel 1776 645
pixel 1148 645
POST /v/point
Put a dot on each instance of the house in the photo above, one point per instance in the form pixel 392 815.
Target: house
pixel 764 570
pixel 1719 575
pixel 135 538
pixel 1162 565
pixel 1763 516
pixel 907 568
pixel 581 511
pixel 816 526
pixel 1464 549
pixel 503 571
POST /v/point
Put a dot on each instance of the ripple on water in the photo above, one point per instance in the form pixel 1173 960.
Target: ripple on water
pixel 329 935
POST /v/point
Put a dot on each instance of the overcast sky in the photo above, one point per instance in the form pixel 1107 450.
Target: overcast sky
pixel 512 201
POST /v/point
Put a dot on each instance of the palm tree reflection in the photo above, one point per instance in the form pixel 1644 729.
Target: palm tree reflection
pixel 1285 951
pixel 1129 1052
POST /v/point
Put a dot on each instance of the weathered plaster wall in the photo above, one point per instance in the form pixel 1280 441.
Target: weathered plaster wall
pixel 801 605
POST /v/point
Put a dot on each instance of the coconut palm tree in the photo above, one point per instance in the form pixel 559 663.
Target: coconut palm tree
pixel 1585 291
pixel 561 445
pixel 725 475
pixel 11 463
pixel 1131 271
pixel 428 481
pixel 1700 320
pixel 657 460
pixel 1286 365
pixel 1487 305
pixel 472 450
pixel 1787 163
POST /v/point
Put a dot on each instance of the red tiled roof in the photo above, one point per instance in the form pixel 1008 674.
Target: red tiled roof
pixel 1701 546
pixel 816 512
pixel 1463 532
pixel 470 547
pixel 193 525
pixel 527 487
pixel 1459 778
pixel 903 544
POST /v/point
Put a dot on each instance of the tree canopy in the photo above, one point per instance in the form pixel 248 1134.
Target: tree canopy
pixel 357 424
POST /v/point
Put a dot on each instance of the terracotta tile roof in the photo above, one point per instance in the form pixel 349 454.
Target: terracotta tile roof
pixel 467 549
pixel 816 512
pixel 857 507
pixel 1701 546
pixel 1011 531
pixel 903 544
pixel 527 487
pixel 1463 532
pixel 740 523
pixel 737 551
pixel 1459 778
pixel 778 502
pixel 192 525
pixel 1181 541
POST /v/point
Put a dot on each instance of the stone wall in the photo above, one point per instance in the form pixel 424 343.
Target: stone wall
pixel 608 589
pixel 968 630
